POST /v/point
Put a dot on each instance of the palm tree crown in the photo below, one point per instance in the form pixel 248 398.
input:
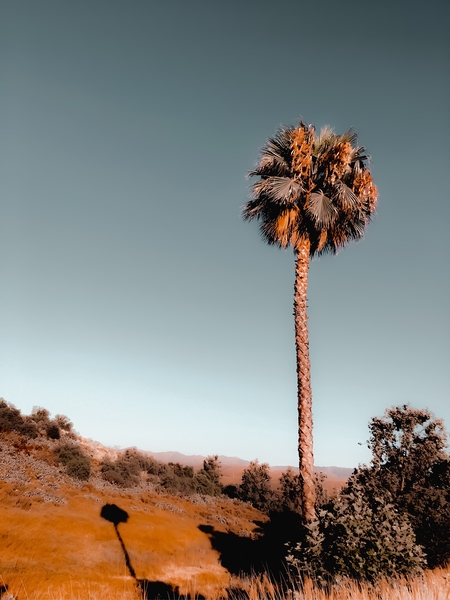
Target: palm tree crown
pixel 312 187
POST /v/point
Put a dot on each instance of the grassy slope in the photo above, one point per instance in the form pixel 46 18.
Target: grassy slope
pixel 54 545
pixel 53 538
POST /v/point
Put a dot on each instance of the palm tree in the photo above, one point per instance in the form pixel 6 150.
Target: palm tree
pixel 314 193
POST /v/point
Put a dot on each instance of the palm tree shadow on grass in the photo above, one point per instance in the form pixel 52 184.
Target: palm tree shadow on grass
pixel 150 590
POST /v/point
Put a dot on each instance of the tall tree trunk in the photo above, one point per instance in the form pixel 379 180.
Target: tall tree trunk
pixel 305 421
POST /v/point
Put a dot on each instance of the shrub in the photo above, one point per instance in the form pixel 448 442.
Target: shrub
pixel 359 537
pixel 207 480
pixel 126 470
pixel 63 423
pixel 53 432
pixel 255 486
pixel 411 470
pixel 76 462
pixel 174 481
pixel 11 419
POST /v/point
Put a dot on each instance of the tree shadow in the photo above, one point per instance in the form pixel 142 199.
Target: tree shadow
pixel 150 590
pixel 263 553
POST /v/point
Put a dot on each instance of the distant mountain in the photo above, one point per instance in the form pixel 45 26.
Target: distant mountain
pixel 196 460
pixel 232 467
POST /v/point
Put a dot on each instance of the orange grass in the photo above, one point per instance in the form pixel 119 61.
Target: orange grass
pixel 54 545
pixel 69 550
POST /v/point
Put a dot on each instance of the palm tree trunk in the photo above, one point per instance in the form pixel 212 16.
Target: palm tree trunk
pixel 305 421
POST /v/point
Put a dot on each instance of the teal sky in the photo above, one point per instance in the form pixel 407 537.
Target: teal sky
pixel 133 297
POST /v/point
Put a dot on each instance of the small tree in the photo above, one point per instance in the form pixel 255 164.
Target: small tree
pixel 357 536
pixel 255 486
pixel 207 480
pixel 288 490
pixel 411 469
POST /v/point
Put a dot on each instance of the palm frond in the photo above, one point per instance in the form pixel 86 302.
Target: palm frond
pixel 283 190
pixel 321 209
pixel 254 209
pixel 346 197
pixel 349 136
pixel 275 155
pixel 324 138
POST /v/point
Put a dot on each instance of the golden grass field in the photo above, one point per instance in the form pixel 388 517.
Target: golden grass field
pixel 54 545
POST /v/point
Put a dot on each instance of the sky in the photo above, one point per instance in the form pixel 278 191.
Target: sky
pixel 136 301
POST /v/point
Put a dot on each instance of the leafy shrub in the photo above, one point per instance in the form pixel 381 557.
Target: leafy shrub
pixel 359 537
pixel 127 469
pixel 176 478
pixel 207 480
pixel 255 486
pixel 53 432
pixel 63 423
pixel 411 470
pixel 11 419
pixel 76 462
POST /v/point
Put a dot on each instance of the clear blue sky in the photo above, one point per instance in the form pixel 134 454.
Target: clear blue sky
pixel 133 297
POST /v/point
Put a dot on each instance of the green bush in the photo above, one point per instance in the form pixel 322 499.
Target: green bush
pixel 411 469
pixel 11 419
pixel 255 486
pixel 76 462
pixel 127 469
pixel 207 480
pixel 357 536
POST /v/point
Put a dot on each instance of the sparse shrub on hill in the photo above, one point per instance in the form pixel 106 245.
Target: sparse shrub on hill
pixel 126 470
pixel 52 431
pixel 176 479
pixel 41 416
pixel 76 462
pixel 255 486
pixel 11 419
pixel 63 423
pixel 207 480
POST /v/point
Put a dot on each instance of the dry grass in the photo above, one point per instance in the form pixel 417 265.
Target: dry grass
pixel 55 546
pixel 69 551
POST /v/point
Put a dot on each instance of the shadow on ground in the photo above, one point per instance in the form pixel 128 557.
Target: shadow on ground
pixel 150 590
pixel 264 553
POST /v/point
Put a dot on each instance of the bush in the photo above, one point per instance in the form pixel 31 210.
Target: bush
pixel 359 537
pixel 63 423
pixel 53 431
pixel 411 470
pixel 76 462
pixel 11 419
pixel 207 480
pixel 127 469
pixel 255 486
pixel 176 479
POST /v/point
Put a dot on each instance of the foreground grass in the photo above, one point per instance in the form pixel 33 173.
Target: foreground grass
pixel 54 545
pixel 433 585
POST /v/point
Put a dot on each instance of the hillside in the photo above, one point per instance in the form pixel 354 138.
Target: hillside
pixel 56 485
pixel 53 537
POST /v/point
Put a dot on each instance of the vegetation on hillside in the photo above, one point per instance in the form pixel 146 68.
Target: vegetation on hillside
pixel 392 518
